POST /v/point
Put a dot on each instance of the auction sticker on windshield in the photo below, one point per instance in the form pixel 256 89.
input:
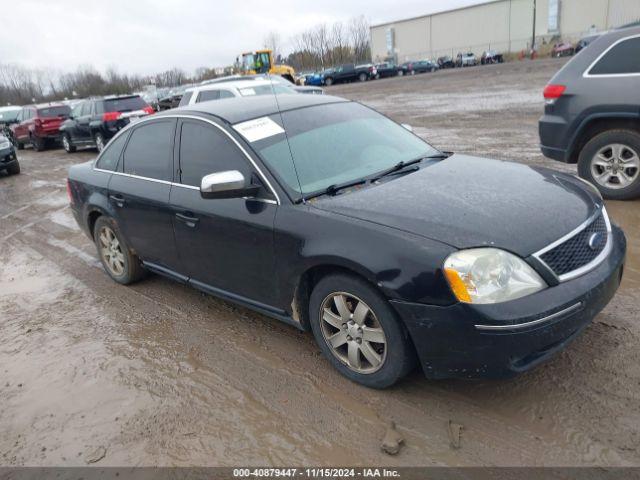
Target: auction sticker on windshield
pixel 254 130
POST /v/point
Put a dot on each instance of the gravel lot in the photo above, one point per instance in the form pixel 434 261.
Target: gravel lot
pixel 159 374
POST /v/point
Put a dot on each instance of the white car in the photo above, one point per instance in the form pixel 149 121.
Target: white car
pixel 231 89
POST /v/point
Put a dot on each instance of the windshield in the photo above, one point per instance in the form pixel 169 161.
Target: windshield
pixel 336 143
pixel 9 115
pixel 54 111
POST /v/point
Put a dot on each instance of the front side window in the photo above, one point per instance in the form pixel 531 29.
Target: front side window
pixel 109 158
pixel 621 59
pixel 149 152
pixel 336 143
pixel 204 149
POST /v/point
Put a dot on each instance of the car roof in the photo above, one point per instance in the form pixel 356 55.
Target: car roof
pixel 10 108
pixel 240 109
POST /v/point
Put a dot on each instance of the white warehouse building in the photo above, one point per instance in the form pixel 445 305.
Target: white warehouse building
pixel 502 25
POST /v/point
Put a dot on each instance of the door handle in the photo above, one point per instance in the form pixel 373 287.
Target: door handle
pixel 118 200
pixel 188 220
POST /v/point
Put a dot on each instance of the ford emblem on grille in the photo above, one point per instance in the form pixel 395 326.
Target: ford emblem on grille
pixel 596 240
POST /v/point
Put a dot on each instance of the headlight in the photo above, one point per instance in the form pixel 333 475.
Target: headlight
pixel 4 145
pixel 490 275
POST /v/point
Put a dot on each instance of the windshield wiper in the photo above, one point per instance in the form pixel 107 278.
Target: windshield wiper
pixel 335 188
pixel 396 168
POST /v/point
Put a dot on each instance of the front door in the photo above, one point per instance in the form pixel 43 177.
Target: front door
pixel 226 244
pixel 139 192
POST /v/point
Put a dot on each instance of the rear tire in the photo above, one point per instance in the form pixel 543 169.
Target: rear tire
pixel 67 145
pixel 611 162
pixel 37 143
pixel 120 263
pixel 363 337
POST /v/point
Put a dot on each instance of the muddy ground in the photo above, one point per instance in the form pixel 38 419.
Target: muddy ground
pixel 159 374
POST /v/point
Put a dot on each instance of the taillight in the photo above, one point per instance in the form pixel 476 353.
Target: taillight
pixel 553 92
pixel 69 194
pixel 110 116
pixel 149 110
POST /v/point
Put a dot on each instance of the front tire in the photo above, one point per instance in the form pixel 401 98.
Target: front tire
pixel 14 169
pixel 611 162
pixel 359 332
pixel 328 81
pixel 120 263
pixel 362 77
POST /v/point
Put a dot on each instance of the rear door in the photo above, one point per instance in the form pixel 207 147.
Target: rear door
pixel 83 128
pixel 139 192
pixel 226 244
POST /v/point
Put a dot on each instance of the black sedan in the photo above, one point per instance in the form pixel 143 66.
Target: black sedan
pixel 326 215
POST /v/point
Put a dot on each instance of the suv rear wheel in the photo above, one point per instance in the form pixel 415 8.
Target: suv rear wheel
pixel 66 144
pixel 37 143
pixel 358 331
pixel 100 143
pixel 611 161
pixel 120 263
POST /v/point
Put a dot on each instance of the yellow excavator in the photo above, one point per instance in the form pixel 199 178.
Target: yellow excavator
pixel 261 61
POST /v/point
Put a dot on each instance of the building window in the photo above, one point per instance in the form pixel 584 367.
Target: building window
pixel 554 15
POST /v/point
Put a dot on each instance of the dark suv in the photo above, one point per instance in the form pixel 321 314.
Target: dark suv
pixel 94 121
pixel 592 114
pixel 39 125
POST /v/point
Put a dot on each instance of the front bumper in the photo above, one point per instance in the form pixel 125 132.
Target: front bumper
pixel 8 158
pixel 527 331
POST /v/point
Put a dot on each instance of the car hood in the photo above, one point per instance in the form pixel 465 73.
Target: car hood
pixel 467 202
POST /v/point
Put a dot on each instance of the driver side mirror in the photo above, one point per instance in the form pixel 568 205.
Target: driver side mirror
pixel 227 184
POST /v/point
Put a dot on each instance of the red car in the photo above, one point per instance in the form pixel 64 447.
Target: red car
pixel 564 49
pixel 39 125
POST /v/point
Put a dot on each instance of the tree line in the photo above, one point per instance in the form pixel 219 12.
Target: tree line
pixel 326 45
pixel 20 85
pixel 317 48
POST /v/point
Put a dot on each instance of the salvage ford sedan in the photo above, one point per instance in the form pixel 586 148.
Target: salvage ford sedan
pixel 327 215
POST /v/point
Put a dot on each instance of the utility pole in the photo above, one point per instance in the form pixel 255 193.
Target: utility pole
pixel 533 38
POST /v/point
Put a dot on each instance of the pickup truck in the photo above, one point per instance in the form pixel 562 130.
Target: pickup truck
pixel 349 73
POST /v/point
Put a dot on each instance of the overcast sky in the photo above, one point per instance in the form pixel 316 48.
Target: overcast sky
pixel 148 36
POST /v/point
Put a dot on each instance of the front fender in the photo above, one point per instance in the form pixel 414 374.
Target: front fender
pixel 402 265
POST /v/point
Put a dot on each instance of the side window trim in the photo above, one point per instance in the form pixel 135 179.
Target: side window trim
pixel 118 168
pixel 131 131
pixel 253 163
pixel 587 73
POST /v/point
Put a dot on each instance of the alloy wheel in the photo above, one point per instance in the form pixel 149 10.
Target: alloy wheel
pixel 111 251
pixel 615 166
pixel 99 143
pixel 353 333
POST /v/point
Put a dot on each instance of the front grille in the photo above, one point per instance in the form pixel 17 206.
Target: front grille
pixel 579 250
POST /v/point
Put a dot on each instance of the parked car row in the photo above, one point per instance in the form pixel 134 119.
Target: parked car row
pixel 90 122
pixel 351 73
pixel 566 49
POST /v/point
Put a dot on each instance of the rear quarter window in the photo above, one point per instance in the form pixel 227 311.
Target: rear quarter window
pixel 109 158
pixel 623 58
